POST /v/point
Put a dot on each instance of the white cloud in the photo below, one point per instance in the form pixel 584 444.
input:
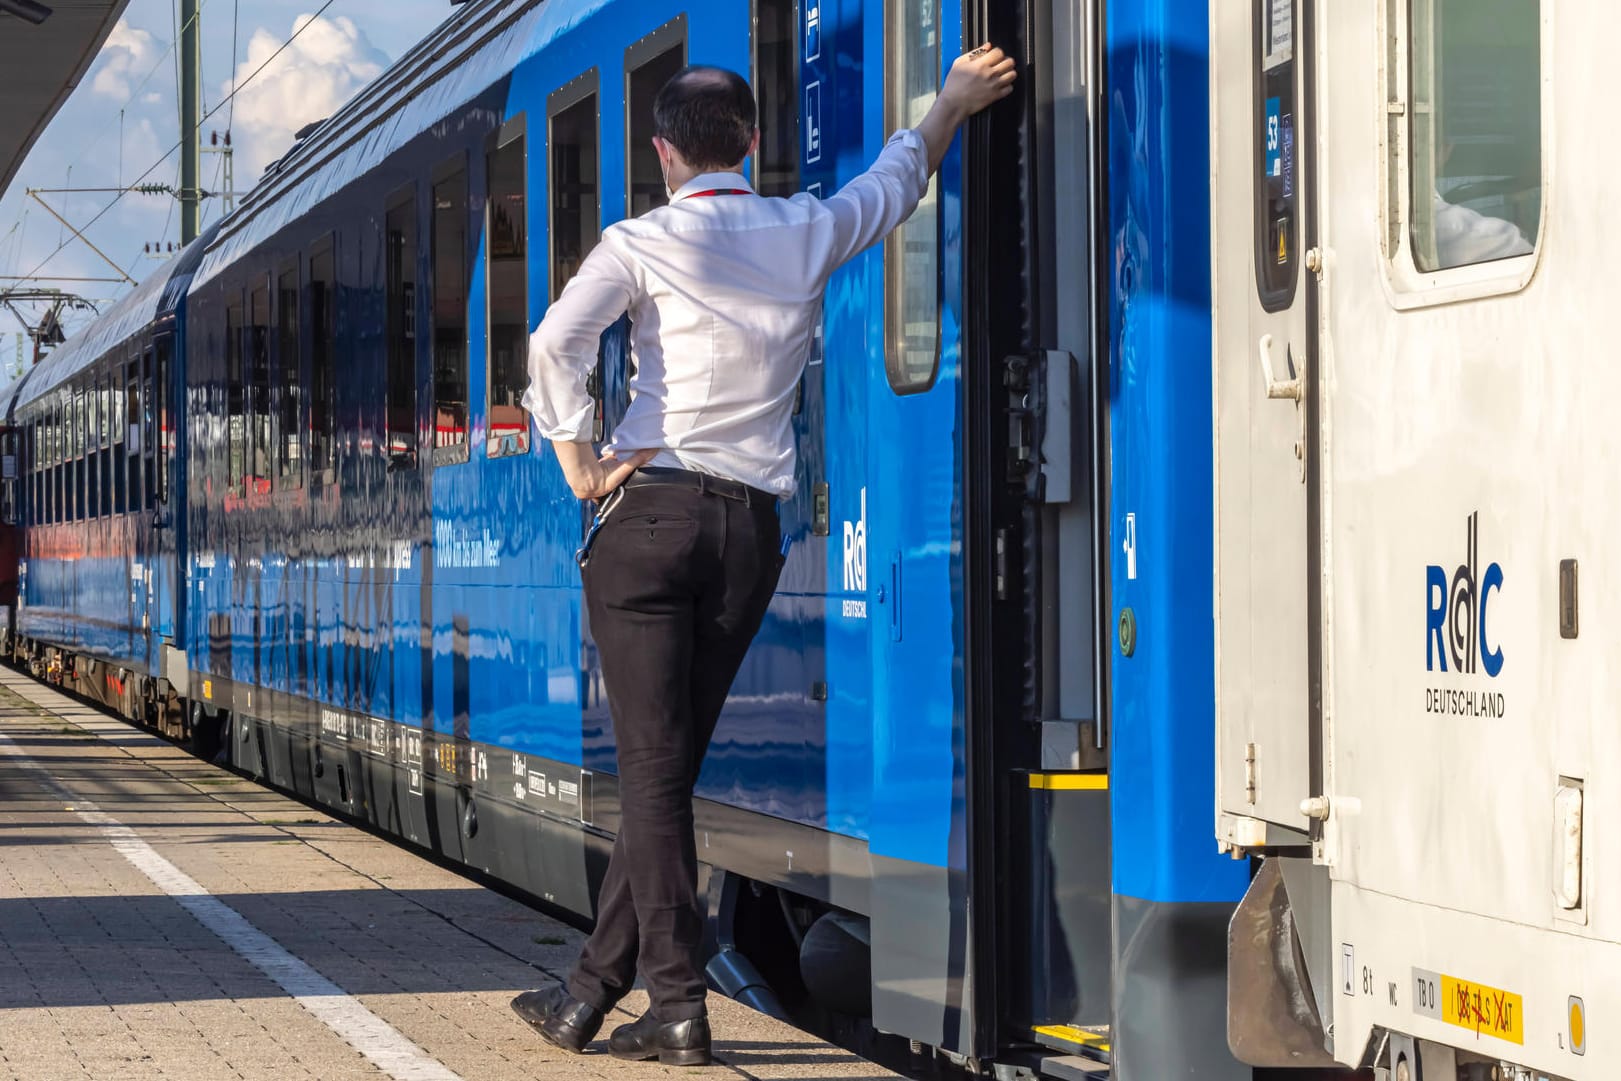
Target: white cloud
pixel 125 59
pixel 310 80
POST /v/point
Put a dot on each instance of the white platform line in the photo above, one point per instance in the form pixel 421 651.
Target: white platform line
pixel 384 1045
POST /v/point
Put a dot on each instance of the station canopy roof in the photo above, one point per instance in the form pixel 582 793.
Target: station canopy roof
pixel 41 64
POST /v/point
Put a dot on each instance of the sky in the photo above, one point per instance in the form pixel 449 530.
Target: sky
pixel 124 119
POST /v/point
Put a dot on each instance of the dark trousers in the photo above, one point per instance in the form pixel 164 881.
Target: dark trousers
pixel 676 586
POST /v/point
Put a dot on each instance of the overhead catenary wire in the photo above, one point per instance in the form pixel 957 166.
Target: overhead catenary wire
pixel 235 89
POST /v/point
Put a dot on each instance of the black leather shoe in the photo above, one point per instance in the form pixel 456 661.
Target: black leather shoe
pixel 673 1043
pixel 563 1021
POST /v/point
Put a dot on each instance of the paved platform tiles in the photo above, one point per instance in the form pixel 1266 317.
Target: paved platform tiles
pixel 163 918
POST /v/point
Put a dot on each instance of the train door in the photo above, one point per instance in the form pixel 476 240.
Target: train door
pixel 1265 386
pixel 906 555
pixel 162 582
pixel 12 491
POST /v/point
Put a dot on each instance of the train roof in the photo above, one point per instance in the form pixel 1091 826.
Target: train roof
pixel 471 51
pixel 136 310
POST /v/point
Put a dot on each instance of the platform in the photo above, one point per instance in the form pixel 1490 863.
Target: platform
pixel 164 918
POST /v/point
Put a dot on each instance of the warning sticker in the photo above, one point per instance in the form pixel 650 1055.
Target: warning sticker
pixel 1279 34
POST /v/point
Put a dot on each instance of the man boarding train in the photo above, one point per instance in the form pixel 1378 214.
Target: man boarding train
pixel 724 290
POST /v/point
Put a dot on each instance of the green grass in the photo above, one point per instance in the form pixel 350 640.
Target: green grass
pixel 548 940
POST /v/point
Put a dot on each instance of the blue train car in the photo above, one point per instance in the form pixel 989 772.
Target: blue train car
pixel 960 795
pixel 90 441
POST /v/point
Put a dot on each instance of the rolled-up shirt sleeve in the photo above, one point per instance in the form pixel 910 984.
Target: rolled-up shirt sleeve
pixel 867 208
pixel 563 349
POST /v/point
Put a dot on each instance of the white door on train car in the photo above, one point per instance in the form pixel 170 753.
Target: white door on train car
pixel 1265 411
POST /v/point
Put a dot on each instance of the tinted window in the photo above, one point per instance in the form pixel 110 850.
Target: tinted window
pixel 157 477
pixel 573 182
pixel 776 89
pixel 648 66
pixel 236 468
pixel 507 281
pixel 290 412
pixel 450 310
pixel 132 430
pixel 261 447
pixel 400 250
pixel 323 362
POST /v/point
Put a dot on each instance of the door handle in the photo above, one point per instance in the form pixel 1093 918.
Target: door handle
pixel 1292 389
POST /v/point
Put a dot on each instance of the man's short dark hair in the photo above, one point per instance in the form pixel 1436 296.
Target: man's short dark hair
pixel 707 114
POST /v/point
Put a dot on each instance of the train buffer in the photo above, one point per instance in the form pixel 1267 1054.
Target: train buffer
pixel 164 918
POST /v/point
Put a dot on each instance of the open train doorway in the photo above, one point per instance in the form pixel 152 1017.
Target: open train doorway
pixel 1038 777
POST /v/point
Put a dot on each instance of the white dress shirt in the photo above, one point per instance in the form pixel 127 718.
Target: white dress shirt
pixel 724 294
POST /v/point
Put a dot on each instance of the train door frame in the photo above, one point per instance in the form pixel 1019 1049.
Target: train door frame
pixel 1040 741
pixel 1024 407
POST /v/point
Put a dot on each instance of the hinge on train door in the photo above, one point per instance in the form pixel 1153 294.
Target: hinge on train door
pixel 1023 377
pixel 1040 454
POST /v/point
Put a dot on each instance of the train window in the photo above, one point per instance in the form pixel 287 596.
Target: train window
pixel 290 404
pixel 42 447
pixel 81 480
pixel 400 250
pixel 132 427
pixel 323 362
pixel 575 211
pixel 63 411
pixel 506 280
pixel 92 416
pixel 96 457
pixel 450 311
pixel 912 252
pixel 260 443
pixel 649 64
pixel 87 469
pixel 48 480
pixel 40 474
pixel 157 484
pixel 33 472
pixel 776 89
pixel 107 481
pixel 235 404
pixel 115 436
pixel 1476 130
pixel 95 479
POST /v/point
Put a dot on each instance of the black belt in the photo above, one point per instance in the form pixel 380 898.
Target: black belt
pixel 703 482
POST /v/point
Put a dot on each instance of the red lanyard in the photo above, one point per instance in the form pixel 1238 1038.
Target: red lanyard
pixel 719 191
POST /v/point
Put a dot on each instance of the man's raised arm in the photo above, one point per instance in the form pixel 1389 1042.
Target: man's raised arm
pixel 874 203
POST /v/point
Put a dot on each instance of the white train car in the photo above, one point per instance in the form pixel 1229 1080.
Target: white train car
pixel 1417 534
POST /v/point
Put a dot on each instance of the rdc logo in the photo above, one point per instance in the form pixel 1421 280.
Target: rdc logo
pixel 1456 618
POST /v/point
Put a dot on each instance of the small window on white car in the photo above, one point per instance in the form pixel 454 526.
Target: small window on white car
pixel 1476 131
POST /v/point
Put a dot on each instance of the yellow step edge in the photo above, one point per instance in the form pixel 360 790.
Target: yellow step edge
pixel 1079 1037
pixel 1096 782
